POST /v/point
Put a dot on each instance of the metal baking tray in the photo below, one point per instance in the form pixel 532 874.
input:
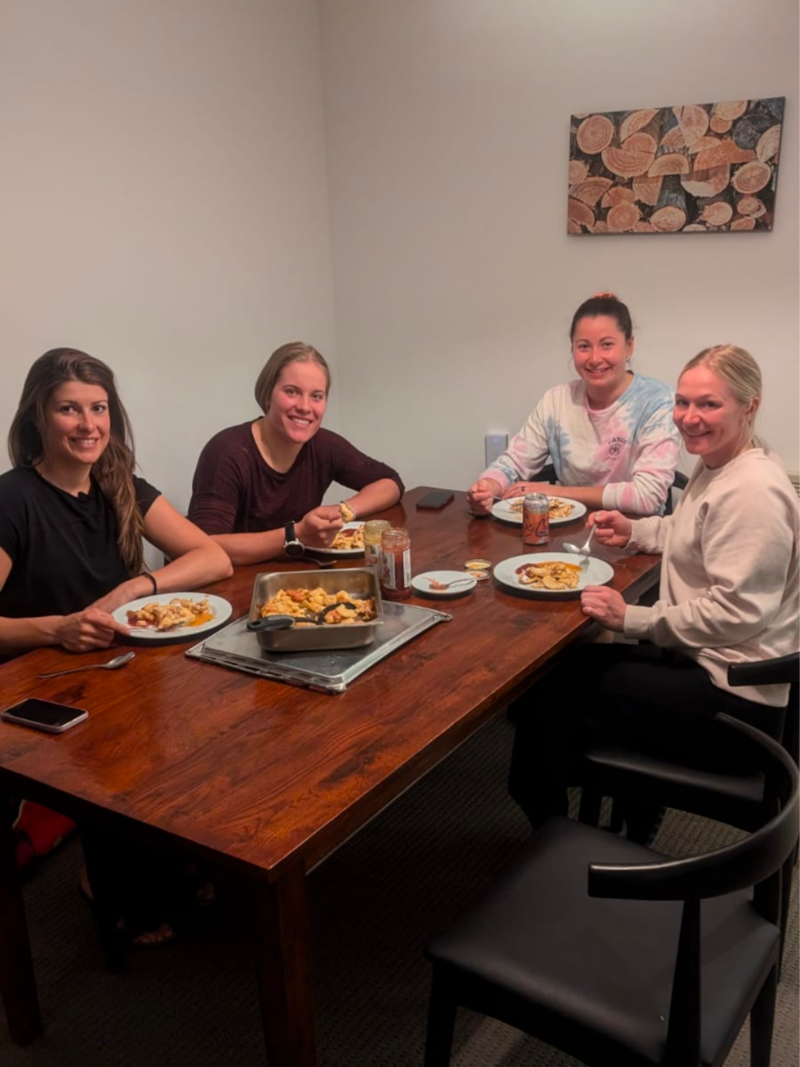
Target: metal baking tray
pixel 236 647
pixel 359 582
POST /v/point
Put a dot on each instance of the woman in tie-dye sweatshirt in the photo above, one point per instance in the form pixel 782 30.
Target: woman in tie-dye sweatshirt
pixel 609 434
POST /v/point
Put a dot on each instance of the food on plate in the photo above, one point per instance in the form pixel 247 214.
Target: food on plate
pixel 310 606
pixel 437 586
pixel 347 512
pixel 180 611
pixel 555 576
pixel 348 540
pixel 559 509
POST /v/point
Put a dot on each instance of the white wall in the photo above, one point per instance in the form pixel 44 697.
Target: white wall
pixel 447 136
pixel 164 204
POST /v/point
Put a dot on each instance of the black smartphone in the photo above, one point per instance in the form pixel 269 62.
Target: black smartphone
pixel 439 498
pixel 45 715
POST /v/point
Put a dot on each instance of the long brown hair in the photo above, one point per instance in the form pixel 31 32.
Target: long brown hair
pixel 293 352
pixel 113 472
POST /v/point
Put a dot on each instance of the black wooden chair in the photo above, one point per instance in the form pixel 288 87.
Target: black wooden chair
pixel 725 788
pixel 615 954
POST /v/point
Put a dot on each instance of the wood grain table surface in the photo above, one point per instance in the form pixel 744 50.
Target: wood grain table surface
pixel 268 778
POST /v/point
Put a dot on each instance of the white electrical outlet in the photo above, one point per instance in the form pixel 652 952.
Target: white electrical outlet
pixel 494 445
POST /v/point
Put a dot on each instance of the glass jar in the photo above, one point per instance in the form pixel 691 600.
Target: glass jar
pixel 373 531
pixel 395 571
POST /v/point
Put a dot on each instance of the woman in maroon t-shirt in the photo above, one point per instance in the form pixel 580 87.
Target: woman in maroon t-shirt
pixel 254 480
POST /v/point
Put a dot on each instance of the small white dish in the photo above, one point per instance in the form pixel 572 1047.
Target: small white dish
pixel 220 608
pixel 463 583
pixel 341 553
pixel 597 572
pixel 502 510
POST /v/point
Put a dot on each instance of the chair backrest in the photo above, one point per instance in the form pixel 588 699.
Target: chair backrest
pixel 680 481
pixel 782 670
pixel 739 866
pixel 755 861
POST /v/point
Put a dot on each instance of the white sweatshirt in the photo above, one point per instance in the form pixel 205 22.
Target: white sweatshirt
pixel 729 577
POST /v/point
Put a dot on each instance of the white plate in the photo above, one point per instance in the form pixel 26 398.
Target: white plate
pixel 501 509
pixel 343 553
pixel 422 583
pixel 597 573
pixel 222 610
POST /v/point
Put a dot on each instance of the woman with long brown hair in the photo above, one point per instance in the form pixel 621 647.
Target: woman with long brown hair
pixel 73 514
pixel 258 487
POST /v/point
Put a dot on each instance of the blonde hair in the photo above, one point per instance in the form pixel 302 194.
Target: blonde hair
pixel 737 368
pixel 113 471
pixel 293 352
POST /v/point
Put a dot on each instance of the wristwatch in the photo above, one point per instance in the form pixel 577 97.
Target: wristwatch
pixel 292 547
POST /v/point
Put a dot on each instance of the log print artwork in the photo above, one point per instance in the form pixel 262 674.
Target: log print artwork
pixel 694 168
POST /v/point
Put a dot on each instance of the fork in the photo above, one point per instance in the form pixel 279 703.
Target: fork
pixel 582 550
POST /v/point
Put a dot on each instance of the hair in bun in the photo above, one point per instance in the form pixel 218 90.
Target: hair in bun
pixel 604 304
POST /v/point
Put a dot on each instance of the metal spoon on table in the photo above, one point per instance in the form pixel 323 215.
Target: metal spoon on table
pixel 117 661
pixel 581 550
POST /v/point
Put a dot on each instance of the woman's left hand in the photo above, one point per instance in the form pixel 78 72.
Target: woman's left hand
pixel 605 606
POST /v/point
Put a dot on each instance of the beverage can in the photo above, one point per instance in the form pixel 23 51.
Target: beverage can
pixel 536 519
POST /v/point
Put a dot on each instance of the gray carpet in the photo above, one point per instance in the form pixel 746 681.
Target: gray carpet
pixel 375 903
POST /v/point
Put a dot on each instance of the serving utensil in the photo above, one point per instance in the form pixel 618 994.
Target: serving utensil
pixel 117 661
pixel 582 550
pixel 271 622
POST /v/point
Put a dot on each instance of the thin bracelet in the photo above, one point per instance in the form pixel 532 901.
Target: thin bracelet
pixel 147 574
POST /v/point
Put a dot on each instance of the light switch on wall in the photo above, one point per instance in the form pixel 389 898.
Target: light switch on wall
pixel 494 444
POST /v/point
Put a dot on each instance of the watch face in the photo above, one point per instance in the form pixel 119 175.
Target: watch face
pixel 293 548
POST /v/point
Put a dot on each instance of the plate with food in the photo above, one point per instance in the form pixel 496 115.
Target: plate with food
pixel 443 583
pixel 552 574
pixel 561 510
pixel 168 616
pixel 348 542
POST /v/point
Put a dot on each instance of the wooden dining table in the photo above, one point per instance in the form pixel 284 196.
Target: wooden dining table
pixel 264 778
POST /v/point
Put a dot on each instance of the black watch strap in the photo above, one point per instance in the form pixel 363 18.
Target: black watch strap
pixel 291 545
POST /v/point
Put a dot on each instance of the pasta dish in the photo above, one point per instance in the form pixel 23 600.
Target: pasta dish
pixel 555 576
pixel 311 606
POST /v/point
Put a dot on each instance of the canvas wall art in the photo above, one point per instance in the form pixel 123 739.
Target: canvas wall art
pixel 694 168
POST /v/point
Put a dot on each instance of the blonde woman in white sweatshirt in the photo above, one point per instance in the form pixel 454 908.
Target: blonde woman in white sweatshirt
pixel 729 594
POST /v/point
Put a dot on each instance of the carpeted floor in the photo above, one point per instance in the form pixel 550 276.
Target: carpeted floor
pixel 375 903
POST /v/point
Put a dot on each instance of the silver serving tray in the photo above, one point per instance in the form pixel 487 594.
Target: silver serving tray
pixel 359 582
pixel 328 670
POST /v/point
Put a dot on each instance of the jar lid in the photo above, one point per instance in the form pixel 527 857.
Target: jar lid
pixel 478 564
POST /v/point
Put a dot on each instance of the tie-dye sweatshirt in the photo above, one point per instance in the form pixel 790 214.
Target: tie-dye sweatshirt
pixel 630 448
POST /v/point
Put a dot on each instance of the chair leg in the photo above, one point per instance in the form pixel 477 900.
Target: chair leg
pixel 441 1023
pixel 591 801
pixel 786 894
pixel 762 1020
pixel 617 817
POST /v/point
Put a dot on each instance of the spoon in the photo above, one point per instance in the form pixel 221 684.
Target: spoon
pixel 271 622
pixel 117 661
pixel 438 587
pixel 583 550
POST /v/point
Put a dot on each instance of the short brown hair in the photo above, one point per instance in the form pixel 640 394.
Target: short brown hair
pixel 293 352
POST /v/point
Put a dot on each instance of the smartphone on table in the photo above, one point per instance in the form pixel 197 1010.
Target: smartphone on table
pixel 44 715
pixel 435 500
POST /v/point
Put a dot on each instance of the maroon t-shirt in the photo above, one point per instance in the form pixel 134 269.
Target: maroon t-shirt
pixel 236 491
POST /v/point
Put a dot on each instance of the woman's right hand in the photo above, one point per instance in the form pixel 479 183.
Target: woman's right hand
pixel 88 629
pixel 482 495
pixel 318 528
pixel 611 528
